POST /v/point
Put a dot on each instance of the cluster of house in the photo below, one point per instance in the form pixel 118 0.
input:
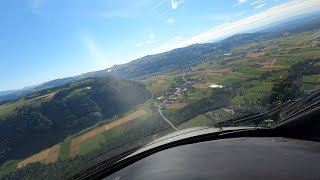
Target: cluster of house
pixel 187 70
pixel 170 98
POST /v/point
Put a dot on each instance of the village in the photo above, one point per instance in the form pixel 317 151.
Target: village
pixel 181 89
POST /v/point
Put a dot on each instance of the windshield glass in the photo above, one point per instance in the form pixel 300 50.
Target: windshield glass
pixel 85 83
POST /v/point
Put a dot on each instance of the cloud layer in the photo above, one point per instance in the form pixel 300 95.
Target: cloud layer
pixel 277 13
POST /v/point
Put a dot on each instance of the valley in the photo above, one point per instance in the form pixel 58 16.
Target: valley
pixel 241 76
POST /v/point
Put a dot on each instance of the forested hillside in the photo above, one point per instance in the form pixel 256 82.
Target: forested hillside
pixel 63 112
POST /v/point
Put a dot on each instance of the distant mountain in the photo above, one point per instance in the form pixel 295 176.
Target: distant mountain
pixel 2 93
pixel 297 24
pixel 147 66
pixel 180 58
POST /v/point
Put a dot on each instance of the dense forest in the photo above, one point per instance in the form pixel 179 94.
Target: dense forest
pixel 80 105
pixel 291 86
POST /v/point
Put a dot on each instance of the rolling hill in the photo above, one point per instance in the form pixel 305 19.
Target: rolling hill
pixel 271 69
pixel 47 117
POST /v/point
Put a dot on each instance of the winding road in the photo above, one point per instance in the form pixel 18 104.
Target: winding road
pixel 170 123
pixel 186 80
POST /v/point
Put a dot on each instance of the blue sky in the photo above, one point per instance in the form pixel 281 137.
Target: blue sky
pixel 42 40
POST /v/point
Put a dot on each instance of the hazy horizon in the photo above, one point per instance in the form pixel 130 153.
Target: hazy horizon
pixel 85 37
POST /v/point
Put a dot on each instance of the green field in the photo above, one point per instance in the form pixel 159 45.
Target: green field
pixel 314 78
pixel 197 121
pixel 100 139
pixel 65 149
pixel 8 167
pixel 9 108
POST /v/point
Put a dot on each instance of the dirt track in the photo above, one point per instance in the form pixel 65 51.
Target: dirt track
pixel 48 156
pixel 35 158
pixel 53 154
pixel 75 143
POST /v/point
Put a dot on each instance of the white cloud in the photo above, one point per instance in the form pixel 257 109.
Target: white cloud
pixel 177 38
pixel 171 20
pixel 260 6
pixel 277 13
pixel 256 2
pixel 242 1
pixel 239 2
pixel 174 3
pixel 159 4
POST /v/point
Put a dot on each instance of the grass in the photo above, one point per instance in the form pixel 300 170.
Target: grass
pixel 83 82
pixel 95 142
pixel 65 149
pixel 261 86
pixel 231 80
pixel 159 84
pixel 197 121
pixel 107 121
pixel 85 130
pixel 7 167
pixel 314 78
pixel 98 140
pixel 146 106
pixel 237 100
pixel 250 71
pixel 91 144
pixel 78 92
pixel 197 95
pixel 9 108
pixel 308 87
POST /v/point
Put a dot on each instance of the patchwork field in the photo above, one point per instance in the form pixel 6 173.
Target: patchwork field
pixel 47 156
pixel 72 147
pixel 252 75
pixel 75 143
pixel 53 154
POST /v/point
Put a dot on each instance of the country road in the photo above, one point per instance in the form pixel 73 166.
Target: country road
pixel 186 80
pixel 228 110
pixel 167 120
pixel 310 37
pixel 273 61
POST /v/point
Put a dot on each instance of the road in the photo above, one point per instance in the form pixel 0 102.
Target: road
pixel 273 61
pixel 313 35
pixel 186 80
pixel 228 110
pixel 167 119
